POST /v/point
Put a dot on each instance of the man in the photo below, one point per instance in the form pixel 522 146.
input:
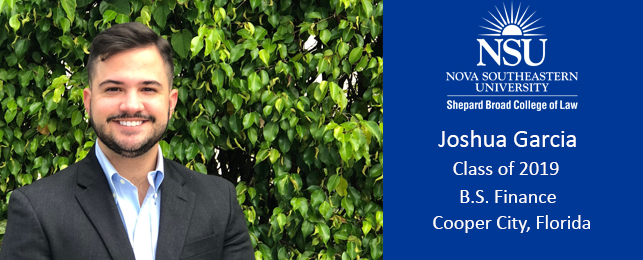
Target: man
pixel 124 201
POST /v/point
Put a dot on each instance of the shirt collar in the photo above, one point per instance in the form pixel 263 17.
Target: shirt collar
pixel 155 178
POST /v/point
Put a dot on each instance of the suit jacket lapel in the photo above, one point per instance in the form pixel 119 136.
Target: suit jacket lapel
pixel 177 204
pixel 99 206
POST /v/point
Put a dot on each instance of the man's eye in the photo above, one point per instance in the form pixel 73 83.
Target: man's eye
pixel 111 89
pixel 149 90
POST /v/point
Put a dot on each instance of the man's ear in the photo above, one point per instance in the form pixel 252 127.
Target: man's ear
pixel 174 96
pixel 87 97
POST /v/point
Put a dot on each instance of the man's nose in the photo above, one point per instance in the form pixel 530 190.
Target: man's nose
pixel 132 103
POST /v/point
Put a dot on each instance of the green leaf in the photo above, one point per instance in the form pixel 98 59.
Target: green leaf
pixel 322 66
pixel 201 168
pixel 248 120
pixel 21 47
pixel 355 55
pixel 307 228
pixel 254 82
pixel 264 55
pixel 196 45
pixel 70 8
pixel 64 25
pixel 346 151
pixel 183 94
pixel 324 231
pixel 120 6
pixel 366 226
pixel 161 10
pixel 255 3
pixel 14 167
pixel 314 15
pixel 191 151
pixel 326 210
pixel 337 94
pixel 252 135
pixel 146 16
pixel 121 18
pixel 284 144
pixel 214 129
pixel 373 128
pixel 236 53
pixel 367 7
pixel 279 105
pixel 9 116
pixel 210 108
pixel 274 156
pixel 262 155
pixel 270 131
pixel 19 147
pixel 379 10
pixel 309 156
pixel 181 43
pixel 195 129
pixel 317 198
pixel 249 44
pixel 324 36
pixel 267 110
pixel 342 49
pixel 333 181
pixel 228 69
pixel 76 118
pixel 362 64
pixel 179 151
pixel 12 105
pixel 108 16
pixel 237 101
pixel 341 187
pixel 379 217
pixel 14 23
pixel 376 171
pixel 35 107
pixel 281 220
pixel 78 136
pixel 218 78
pixel 347 204
pixel 376 29
pixel 376 248
pixel 274 20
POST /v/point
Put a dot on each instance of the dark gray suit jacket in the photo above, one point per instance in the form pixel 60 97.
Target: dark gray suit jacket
pixel 72 215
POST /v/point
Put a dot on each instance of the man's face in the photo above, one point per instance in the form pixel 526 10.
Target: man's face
pixel 130 102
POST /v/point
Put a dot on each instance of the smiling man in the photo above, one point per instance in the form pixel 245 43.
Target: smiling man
pixel 124 200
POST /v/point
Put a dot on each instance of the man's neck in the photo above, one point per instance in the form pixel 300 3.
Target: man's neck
pixel 133 169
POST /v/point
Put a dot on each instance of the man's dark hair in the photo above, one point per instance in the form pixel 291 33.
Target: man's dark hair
pixel 127 36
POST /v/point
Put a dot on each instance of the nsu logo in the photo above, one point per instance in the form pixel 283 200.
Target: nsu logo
pixel 511 24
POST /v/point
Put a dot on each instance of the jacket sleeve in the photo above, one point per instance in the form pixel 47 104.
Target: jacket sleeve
pixel 24 237
pixel 237 245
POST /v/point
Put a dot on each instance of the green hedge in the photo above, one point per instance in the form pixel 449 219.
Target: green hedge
pixel 295 123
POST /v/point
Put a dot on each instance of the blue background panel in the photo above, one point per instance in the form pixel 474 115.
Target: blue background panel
pixel 599 179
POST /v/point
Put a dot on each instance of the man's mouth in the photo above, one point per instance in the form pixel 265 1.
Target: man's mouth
pixel 130 123
pixel 131 120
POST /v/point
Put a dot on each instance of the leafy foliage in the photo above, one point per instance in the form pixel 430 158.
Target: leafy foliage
pixel 282 97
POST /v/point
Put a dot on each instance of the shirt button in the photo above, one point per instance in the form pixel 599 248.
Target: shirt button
pixel 122 181
pixel 114 194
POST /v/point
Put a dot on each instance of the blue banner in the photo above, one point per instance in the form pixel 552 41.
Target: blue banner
pixel 514 130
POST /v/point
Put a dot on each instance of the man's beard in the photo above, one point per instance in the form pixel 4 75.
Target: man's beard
pixel 113 145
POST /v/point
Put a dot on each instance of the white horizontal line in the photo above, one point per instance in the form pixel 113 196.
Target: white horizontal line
pixel 512 95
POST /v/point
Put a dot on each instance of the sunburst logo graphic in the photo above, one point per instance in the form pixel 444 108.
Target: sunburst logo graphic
pixel 512 24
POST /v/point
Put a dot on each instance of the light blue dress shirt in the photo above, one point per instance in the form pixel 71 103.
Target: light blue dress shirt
pixel 141 222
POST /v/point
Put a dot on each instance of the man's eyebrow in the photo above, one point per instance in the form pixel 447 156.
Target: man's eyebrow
pixel 109 81
pixel 152 82
pixel 116 82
